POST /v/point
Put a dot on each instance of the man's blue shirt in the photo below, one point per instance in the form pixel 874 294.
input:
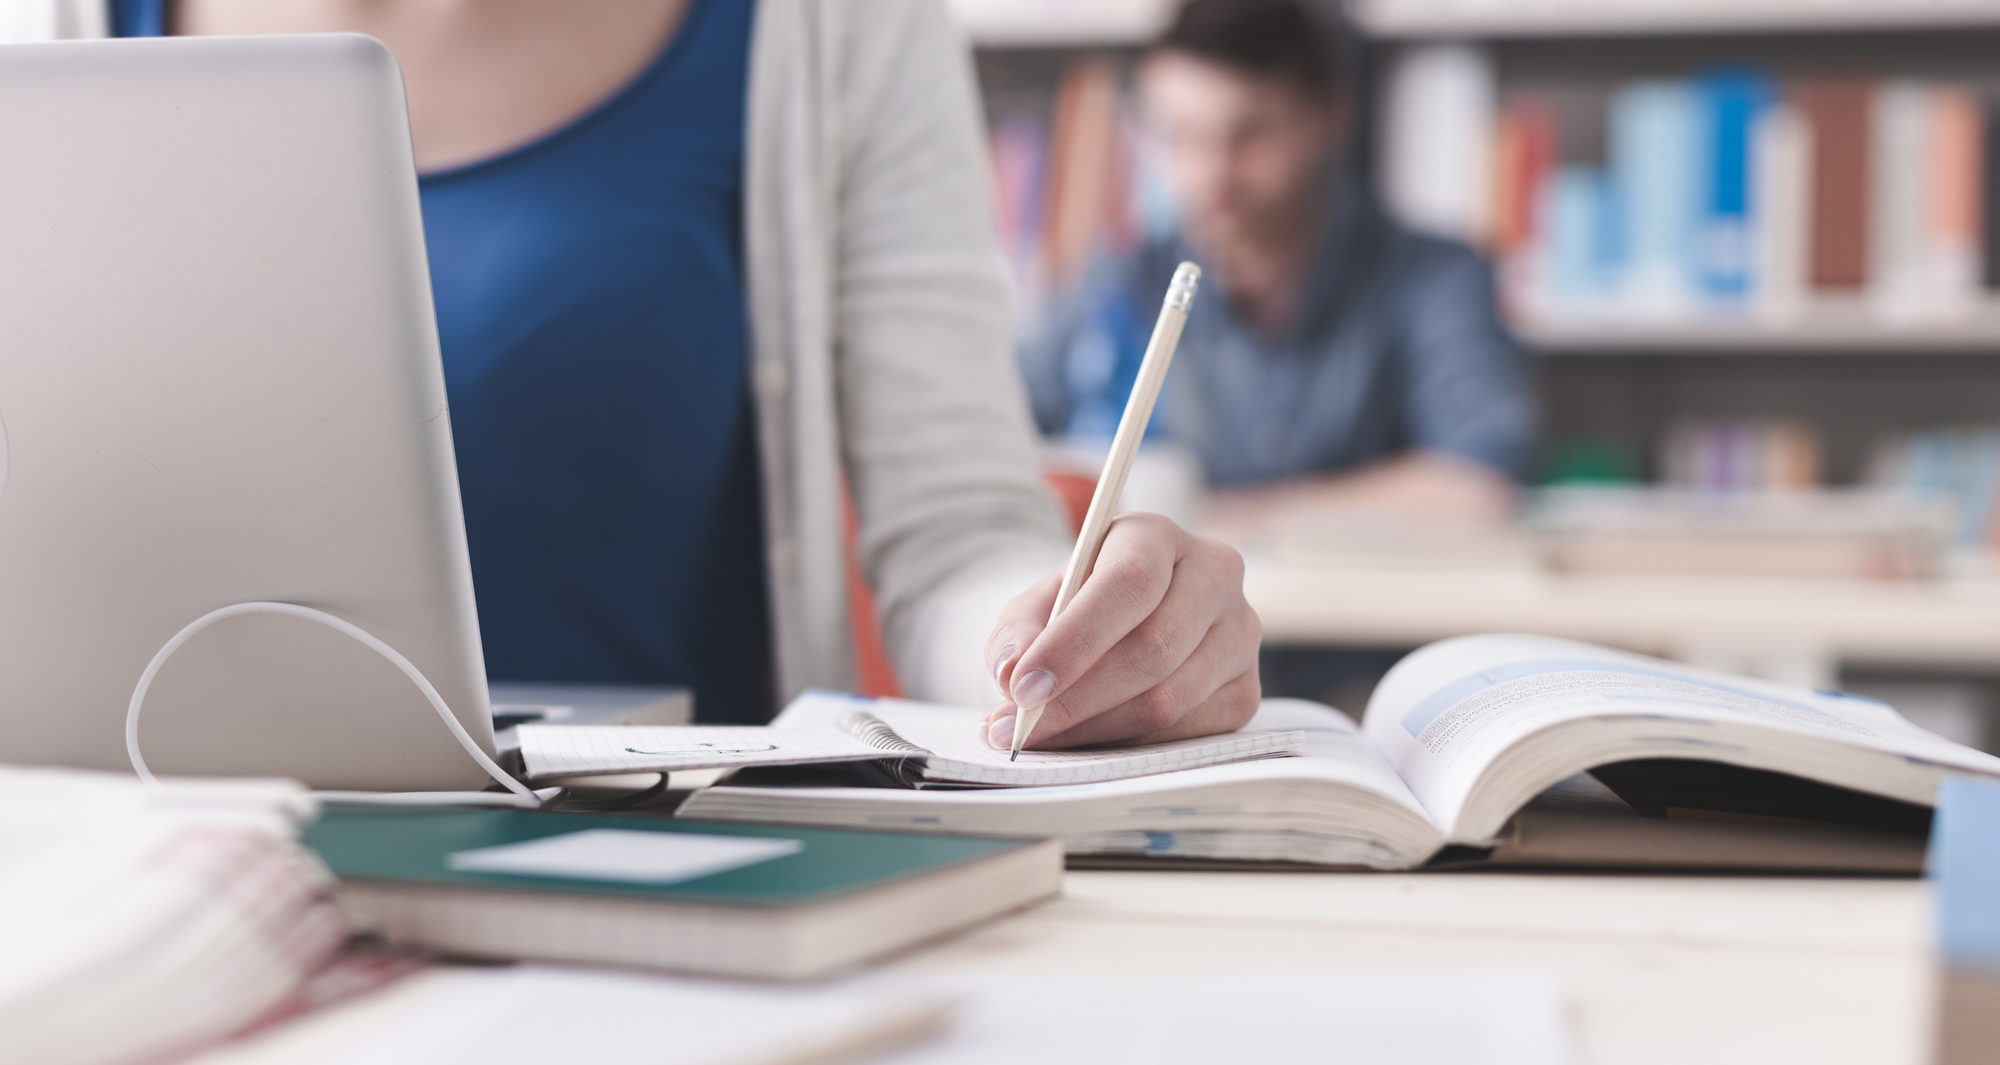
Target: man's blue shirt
pixel 1398 346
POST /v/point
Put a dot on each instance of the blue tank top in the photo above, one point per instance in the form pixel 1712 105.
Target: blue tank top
pixel 592 312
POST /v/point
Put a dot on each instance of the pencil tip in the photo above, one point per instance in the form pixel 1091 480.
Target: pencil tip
pixel 1013 754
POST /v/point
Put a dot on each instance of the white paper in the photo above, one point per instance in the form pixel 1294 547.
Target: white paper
pixel 954 738
pixel 625 855
pixel 1214 811
pixel 535 1015
pixel 584 750
pixel 1503 1018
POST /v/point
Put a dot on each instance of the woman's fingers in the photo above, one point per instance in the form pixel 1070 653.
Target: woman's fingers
pixel 1229 709
pixel 1144 659
pixel 1186 698
pixel 1159 642
pixel 1021 620
pixel 1134 570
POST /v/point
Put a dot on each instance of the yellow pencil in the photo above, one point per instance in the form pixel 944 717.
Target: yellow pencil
pixel 1118 464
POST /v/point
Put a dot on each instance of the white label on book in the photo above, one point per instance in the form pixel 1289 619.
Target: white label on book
pixel 625 855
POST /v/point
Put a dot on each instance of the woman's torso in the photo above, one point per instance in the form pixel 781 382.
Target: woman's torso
pixel 592 313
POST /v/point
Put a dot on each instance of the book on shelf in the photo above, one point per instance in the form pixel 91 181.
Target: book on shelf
pixel 1957 466
pixel 750 901
pixel 1734 455
pixel 1499 749
pixel 1067 183
pixel 1840 126
pixel 1438 138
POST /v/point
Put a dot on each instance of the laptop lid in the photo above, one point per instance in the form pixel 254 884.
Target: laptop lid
pixel 220 382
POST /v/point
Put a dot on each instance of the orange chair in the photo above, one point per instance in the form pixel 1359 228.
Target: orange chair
pixel 873 672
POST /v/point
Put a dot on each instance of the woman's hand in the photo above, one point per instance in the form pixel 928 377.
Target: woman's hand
pixel 1158 644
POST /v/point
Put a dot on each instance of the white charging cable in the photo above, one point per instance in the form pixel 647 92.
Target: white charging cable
pixel 520 795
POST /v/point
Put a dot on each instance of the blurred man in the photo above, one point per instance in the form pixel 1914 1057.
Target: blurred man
pixel 1334 360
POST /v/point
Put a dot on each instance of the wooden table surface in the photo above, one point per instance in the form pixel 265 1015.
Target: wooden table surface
pixel 1797 630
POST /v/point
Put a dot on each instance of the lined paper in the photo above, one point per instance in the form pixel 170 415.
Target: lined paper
pixel 959 753
pixel 584 750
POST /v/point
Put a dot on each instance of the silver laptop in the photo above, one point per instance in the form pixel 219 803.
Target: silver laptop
pixel 219 382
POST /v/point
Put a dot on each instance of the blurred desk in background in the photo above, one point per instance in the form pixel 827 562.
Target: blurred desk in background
pixel 1796 630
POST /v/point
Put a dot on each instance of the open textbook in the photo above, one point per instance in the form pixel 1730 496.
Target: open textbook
pixel 1458 741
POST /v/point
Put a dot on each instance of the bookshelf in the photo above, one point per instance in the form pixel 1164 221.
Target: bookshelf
pixel 1125 23
pixel 1837 330
pixel 1459 19
pixel 1069 24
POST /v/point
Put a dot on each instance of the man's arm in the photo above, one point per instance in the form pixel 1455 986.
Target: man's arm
pixel 1422 485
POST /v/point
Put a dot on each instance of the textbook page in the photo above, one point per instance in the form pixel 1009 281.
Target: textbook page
pixel 1337 803
pixel 952 741
pixel 1446 711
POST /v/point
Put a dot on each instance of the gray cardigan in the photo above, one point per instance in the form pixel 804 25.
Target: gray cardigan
pixel 881 330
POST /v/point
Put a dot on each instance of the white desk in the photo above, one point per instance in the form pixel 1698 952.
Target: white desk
pixel 1654 970
pixel 1799 631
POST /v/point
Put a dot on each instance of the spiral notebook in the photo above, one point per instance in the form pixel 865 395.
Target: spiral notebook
pixel 925 744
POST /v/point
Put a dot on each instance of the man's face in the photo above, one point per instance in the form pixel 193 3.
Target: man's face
pixel 1244 155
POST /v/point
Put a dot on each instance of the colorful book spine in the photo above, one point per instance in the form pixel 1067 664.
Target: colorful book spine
pixel 1577 207
pixel 1953 224
pixel 1958 464
pixel 1732 105
pixel 1899 182
pixel 1658 157
pixel 1729 455
pixel 1782 210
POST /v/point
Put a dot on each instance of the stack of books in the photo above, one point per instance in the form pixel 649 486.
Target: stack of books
pixel 142 923
pixel 1842 534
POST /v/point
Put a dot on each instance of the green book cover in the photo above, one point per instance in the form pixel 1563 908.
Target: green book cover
pixel 428 847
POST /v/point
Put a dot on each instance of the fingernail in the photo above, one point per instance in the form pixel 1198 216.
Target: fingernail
pixel 1000 734
pixel 1034 688
pixel 1000 663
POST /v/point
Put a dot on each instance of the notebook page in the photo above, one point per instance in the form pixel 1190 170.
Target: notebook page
pixel 1332 750
pixel 959 752
pixel 583 750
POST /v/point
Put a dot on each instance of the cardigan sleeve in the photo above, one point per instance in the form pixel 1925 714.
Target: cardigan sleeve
pixel 939 450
